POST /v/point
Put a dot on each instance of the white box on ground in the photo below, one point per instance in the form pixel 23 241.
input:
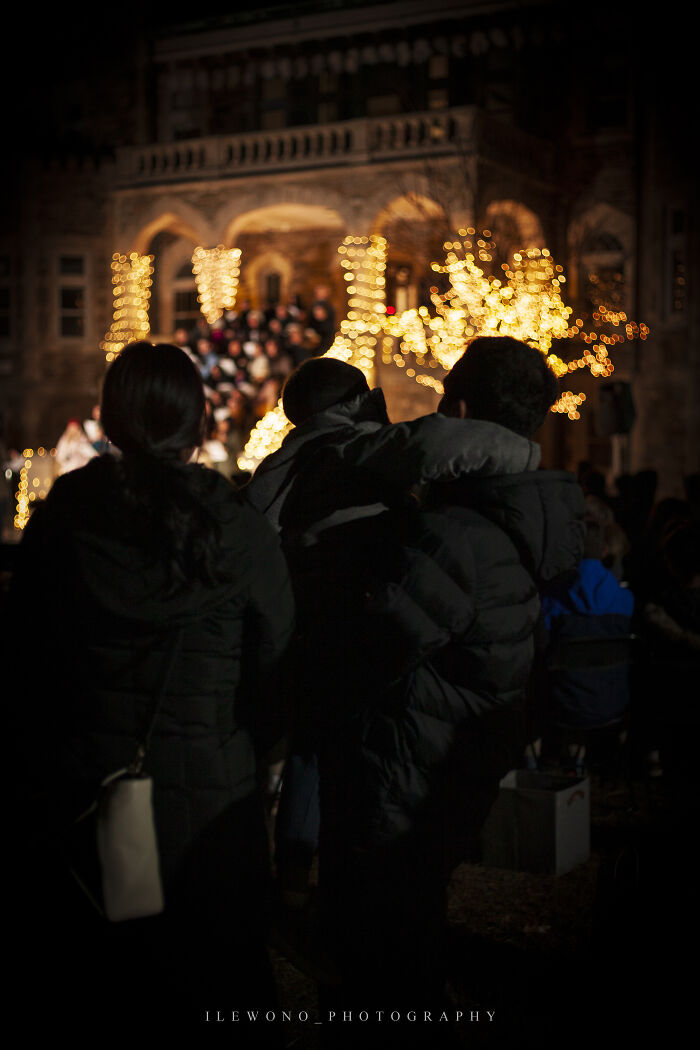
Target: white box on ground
pixel 539 823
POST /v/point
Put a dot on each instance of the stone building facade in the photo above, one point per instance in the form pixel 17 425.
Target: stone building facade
pixel 280 132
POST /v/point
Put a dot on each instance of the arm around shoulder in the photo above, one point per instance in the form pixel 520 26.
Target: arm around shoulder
pixel 437 446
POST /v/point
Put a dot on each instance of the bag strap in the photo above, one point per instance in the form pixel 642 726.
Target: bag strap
pixel 171 651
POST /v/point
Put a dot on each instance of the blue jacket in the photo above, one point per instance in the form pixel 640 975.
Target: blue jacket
pixel 593 606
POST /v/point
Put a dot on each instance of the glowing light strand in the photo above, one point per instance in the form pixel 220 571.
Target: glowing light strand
pixel 525 302
pixel 35 479
pixel 217 272
pixel 364 262
pixel 131 284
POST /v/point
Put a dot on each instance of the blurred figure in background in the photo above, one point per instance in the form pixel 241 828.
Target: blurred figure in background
pixel 73 449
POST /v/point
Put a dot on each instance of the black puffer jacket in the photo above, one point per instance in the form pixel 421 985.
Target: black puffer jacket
pixel 105 609
pixel 359 462
pixel 447 647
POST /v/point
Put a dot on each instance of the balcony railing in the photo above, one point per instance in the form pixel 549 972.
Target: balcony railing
pixel 312 146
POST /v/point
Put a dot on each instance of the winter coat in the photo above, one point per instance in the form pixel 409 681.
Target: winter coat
pixel 592 607
pixel 105 608
pixel 441 613
pixel 361 461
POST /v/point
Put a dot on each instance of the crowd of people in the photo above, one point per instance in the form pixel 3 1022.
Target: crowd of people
pixel 639 584
pixel 376 607
pixel 244 359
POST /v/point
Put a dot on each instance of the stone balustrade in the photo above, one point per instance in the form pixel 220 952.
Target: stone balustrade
pixel 312 146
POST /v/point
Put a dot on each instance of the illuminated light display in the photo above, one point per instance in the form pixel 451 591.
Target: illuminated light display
pixel 216 271
pixel 524 301
pixel 569 403
pixel 35 480
pixel 131 288
pixel 364 262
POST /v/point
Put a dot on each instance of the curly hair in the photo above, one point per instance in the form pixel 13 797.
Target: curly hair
pixel 504 381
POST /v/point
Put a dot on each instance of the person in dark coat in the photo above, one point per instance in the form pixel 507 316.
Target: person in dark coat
pixel 124 554
pixel 418 660
pixel 332 407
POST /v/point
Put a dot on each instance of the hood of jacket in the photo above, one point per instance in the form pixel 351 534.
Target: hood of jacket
pixel 540 510
pixel 271 481
pixel 92 527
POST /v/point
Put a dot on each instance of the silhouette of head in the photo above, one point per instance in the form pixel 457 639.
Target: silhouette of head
pixel 501 380
pixel 319 383
pixel 153 401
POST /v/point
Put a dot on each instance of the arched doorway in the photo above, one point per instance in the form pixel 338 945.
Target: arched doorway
pixel 415 227
pixel 287 249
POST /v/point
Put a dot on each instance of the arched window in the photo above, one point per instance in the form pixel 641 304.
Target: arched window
pixel 601 259
pixel 602 272
pixel 602 242
pixel 513 227
pixel 415 227
pixel 272 288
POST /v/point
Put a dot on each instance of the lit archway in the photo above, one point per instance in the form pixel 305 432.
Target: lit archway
pixel 294 239
pixel 284 217
pixel 172 280
pixel 178 219
pixel 415 227
pixel 601 256
pixel 512 226
pixel 260 277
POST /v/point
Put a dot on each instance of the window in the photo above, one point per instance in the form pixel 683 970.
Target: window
pixel 186 302
pixel 72 312
pixel 71 296
pixel 602 280
pixel 187 308
pixel 71 265
pixel 273 287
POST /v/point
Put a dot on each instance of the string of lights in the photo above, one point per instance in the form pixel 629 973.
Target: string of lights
pixel 35 479
pixel 216 271
pixel 364 262
pixel 523 301
pixel 131 288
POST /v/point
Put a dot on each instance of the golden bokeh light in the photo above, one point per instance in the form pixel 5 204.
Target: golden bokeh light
pixel 216 271
pixel 131 288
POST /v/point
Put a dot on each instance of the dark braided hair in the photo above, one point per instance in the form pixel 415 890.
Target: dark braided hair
pixel 153 410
